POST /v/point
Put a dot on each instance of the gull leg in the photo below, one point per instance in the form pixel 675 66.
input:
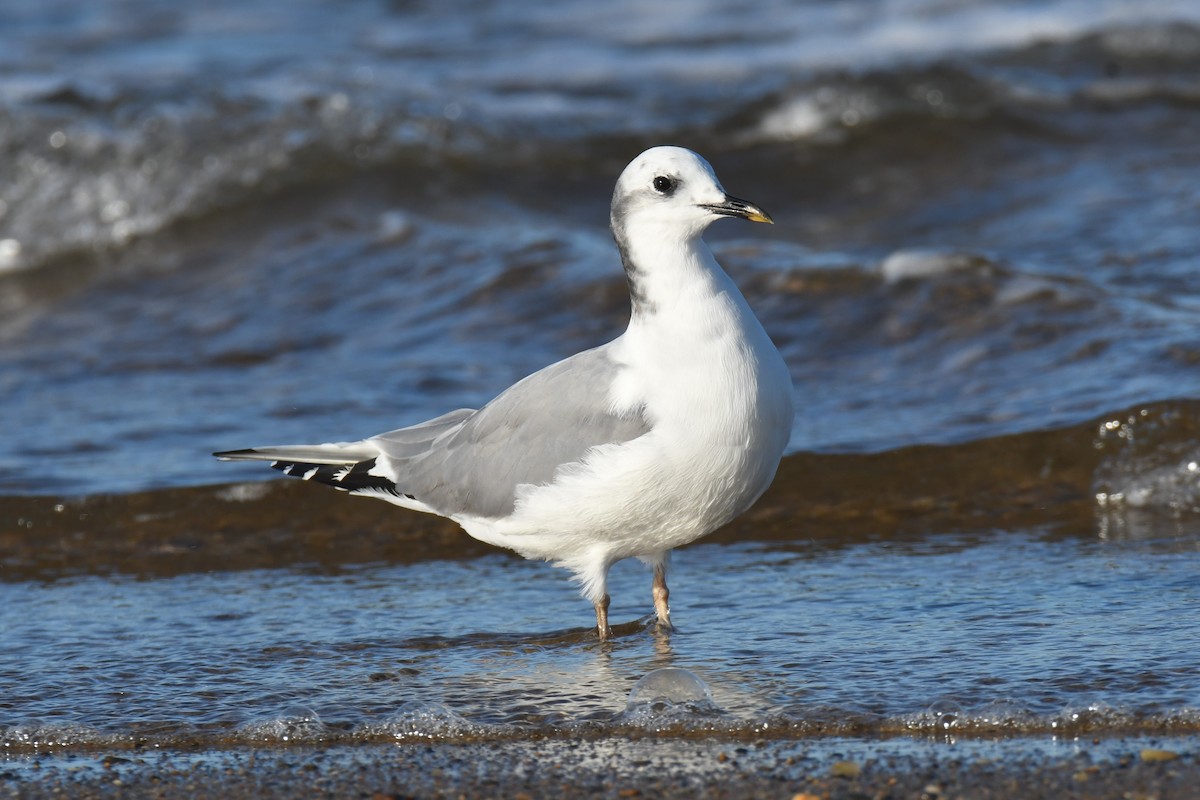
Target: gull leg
pixel 602 618
pixel 661 594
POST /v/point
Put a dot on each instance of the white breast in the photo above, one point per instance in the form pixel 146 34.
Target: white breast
pixel 719 400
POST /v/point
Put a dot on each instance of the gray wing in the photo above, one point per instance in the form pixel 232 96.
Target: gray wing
pixel 300 459
pixel 553 417
pixel 417 439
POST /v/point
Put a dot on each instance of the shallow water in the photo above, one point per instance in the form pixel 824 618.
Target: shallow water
pixel 1006 632
pixel 232 226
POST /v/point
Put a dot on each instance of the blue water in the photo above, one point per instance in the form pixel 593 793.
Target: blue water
pixel 232 225
pixel 995 633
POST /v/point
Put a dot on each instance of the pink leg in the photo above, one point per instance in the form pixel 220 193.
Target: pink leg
pixel 661 594
pixel 602 618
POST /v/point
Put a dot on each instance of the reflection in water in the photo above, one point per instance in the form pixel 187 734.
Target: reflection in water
pixel 982 633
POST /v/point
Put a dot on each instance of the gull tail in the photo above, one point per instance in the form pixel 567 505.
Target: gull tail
pixel 342 466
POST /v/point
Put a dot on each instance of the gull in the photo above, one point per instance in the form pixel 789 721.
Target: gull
pixel 627 450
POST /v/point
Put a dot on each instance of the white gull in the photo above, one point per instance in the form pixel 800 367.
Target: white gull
pixel 627 450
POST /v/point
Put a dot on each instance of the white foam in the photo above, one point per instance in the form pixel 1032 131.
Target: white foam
pixel 424 721
pixel 294 724
pixel 919 264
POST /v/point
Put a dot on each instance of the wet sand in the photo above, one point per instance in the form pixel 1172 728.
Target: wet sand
pixel 624 768
pixel 1007 482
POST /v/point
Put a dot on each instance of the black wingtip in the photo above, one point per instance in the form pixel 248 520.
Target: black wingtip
pixel 347 477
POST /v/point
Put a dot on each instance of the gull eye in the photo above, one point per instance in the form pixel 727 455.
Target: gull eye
pixel 664 185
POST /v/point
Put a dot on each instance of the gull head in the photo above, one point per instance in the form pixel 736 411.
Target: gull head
pixel 673 191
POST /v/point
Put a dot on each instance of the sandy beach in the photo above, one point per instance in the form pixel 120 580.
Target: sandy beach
pixel 628 768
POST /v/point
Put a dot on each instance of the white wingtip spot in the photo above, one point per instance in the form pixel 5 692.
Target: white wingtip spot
pixel 310 473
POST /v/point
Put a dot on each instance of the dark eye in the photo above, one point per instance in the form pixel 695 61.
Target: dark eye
pixel 664 185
